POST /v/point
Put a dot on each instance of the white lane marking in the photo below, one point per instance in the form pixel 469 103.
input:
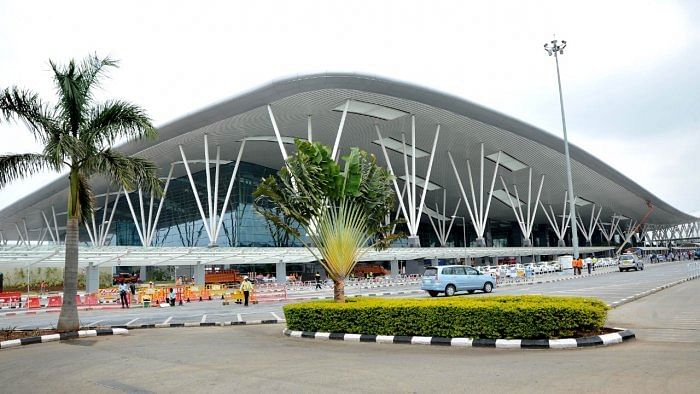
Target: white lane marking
pixel 168 320
pixel 204 319
pixel 275 315
pixel 95 322
pixel 238 317
pixel 130 322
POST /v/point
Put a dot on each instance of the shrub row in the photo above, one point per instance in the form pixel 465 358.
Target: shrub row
pixel 525 317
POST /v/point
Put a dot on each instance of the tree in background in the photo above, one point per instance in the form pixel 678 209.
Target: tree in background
pixel 341 210
pixel 77 134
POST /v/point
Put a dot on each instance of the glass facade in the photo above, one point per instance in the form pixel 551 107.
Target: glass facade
pixel 180 222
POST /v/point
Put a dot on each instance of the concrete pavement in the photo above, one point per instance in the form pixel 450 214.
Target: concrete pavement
pixel 261 359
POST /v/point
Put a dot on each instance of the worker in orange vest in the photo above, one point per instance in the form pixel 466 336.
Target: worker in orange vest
pixel 577 264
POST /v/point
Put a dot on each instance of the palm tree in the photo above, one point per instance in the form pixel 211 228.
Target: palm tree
pixel 77 134
pixel 342 211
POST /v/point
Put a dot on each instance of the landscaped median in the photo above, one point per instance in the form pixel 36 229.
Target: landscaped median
pixel 531 319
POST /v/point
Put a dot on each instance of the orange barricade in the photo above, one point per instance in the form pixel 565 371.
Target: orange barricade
pixel 33 302
pixel 12 299
pixel 91 299
pixel 55 301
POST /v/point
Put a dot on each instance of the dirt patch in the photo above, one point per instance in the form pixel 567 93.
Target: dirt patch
pixel 6 334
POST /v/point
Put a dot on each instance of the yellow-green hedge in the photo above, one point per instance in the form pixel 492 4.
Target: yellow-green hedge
pixel 526 317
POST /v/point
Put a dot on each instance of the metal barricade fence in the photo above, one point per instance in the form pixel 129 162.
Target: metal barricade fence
pixel 693 269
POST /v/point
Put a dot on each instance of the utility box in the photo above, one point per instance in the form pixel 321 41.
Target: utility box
pixel 566 262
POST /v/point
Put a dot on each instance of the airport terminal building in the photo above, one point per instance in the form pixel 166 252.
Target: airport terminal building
pixel 465 177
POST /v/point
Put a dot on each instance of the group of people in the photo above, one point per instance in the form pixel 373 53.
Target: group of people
pixel 578 263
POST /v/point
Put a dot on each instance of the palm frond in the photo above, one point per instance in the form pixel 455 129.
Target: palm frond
pixel 340 234
pixel 92 69
pixel 18 166
pixel 63 149
pixel 128 171
pixel 74 85
pixel 26 106
pixel 111 121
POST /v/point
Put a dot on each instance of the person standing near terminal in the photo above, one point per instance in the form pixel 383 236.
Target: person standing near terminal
pixel 318 280
pixel 123 288
pixel 577 264
pixel 246 288
pixel 589 264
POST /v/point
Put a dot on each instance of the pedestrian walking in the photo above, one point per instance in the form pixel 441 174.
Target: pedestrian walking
pixel 318 280
pixel 577 264
pixel 589 264
pixel 246 288
pixel 123 288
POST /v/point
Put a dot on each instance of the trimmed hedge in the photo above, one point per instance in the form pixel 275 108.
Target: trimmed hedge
pixel 520 317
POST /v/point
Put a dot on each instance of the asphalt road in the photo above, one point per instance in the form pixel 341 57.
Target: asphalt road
pixel 261 359
pixel 612 287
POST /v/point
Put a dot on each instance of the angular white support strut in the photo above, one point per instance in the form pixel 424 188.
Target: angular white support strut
pixel 478 215
pixel 412 209
pixel 525 222
pixel 209 222
pixel 147 229
pixel 559 230
pixel 588 231
pixel 609 234
pixel 442 231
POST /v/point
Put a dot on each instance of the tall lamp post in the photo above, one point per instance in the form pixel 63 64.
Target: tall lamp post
pixel 464 235
pixel 555 48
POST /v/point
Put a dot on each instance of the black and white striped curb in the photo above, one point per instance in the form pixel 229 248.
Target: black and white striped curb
pixel 197 324
pixel 62 336
pixel 566 343
pixel 650 292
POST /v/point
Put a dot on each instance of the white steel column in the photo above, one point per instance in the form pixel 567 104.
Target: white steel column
pixel 105 230
pixel 442 231
pixel 228 191
pixel 588 231
pixel 479 216
pixel 525 222
pixel 277 133
pixel 196 196
pixel 340 130
pixel 55 224
pixel 412 209
pixel 48 226
pixel 309 131
pixel 559 230
pixel 133 216
pixel 160 206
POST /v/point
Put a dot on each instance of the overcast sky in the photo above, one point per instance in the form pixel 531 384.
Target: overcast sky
pixel 630 72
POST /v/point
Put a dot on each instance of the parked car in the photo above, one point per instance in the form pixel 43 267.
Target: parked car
pixel 630 261
pixel 450 279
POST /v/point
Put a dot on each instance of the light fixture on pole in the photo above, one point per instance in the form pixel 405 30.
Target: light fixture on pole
pixel 555 48
pixel 464 235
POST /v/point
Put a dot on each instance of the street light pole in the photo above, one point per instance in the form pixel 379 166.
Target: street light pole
pixel 558 49
pixel 464 235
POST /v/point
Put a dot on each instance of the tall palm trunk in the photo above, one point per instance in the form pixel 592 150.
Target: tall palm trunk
pixel 68 319
pixel 339 290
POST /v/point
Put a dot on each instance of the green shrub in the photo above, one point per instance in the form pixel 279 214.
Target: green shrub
pixel 526 317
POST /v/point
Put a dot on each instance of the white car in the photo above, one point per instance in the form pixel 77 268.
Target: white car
pixel 629 261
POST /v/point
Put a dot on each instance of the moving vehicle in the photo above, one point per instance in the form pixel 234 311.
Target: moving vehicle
pixel 630 261
pixel 450 279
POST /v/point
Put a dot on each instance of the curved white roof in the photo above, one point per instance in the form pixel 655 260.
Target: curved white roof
pixel 385 103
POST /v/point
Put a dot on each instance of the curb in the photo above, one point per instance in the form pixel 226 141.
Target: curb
pixel 62 336
pixel 566 343
pixel 195 324
pixel 650 292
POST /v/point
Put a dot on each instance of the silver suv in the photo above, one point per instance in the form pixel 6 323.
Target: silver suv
pixel 630 261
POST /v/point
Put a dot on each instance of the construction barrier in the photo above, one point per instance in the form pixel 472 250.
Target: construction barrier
pixel 33 302
pixel 11 299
